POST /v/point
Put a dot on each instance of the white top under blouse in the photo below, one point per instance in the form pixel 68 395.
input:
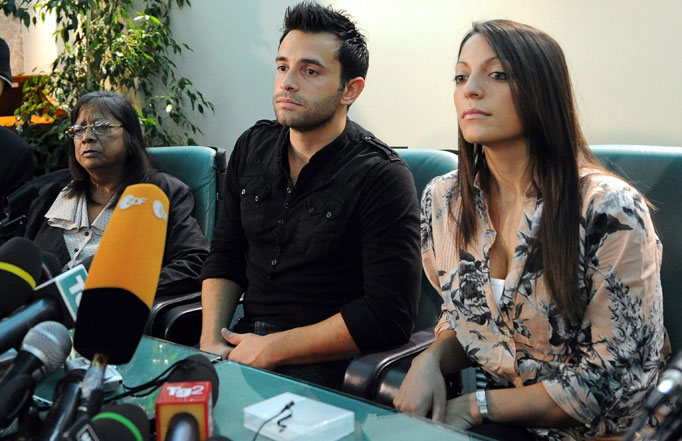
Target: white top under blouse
pixel 71 215
pixel 498 289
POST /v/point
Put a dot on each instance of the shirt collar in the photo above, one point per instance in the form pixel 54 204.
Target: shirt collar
pixel 71 214
pixel 325 153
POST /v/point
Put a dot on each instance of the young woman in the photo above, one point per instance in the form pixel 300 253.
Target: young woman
pixel 548 265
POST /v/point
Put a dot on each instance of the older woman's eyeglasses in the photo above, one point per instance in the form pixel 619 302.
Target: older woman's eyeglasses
pixel 99 128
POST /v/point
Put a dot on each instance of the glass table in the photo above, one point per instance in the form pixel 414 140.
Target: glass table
pixel 242 386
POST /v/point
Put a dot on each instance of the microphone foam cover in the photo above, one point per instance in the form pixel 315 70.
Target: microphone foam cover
pixel 50 342
pixel 131 251
pixel 121 422
pixel 196 368
pixel 20 268
pixel 123 277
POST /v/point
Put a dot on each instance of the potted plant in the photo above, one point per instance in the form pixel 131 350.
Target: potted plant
pixel 120 45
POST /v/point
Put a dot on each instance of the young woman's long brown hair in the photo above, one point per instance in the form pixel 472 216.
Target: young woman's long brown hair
pixel 543 95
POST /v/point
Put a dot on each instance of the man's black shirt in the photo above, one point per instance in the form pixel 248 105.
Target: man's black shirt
pixel 344 239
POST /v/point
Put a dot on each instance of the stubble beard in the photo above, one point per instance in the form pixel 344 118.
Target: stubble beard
pixel 316 115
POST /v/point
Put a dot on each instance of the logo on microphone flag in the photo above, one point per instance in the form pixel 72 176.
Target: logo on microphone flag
pixel 70 285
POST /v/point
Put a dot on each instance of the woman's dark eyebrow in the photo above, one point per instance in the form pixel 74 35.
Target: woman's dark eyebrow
pixel 488 61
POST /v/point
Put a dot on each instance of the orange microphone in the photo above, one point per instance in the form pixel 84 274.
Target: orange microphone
pixel 123 277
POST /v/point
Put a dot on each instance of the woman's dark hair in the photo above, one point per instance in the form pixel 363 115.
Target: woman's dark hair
pixel 313 18
pixel 543 96
pixel 137 166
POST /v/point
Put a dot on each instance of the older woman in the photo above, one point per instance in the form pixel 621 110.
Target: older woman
pixel 106 155
pixel 548 265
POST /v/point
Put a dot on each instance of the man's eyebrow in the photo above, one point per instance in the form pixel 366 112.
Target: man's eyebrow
pixel 489 60
pixel 314 61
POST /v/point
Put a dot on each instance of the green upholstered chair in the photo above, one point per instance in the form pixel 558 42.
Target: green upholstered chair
pixel 203 170
pixel 377 375
pixel 657 172
pixel 426 165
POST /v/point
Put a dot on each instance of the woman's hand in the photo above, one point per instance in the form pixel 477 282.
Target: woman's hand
pixel 423 388
pixel 459 412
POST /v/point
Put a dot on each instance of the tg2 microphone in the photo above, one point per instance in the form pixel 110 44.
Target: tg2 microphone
pixel 184 407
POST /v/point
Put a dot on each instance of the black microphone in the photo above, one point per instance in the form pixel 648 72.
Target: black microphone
pixel 56 299
pixel 122 422
pixel 196 368
pixel 43 350
pixel 183 426
pixel 670 428
pixel 668 385
pixel 64 406
pixel 20 267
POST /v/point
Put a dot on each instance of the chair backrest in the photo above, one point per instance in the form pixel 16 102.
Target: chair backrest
pixel 426 165
pixel 657 173
pixel 203 170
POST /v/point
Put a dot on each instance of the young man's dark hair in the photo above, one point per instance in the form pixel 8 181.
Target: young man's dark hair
pixel 313 18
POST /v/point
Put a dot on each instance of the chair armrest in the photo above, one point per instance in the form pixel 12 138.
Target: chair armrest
pixel 365 373
pixel 181 324
pixel 162 305
pixel 395 374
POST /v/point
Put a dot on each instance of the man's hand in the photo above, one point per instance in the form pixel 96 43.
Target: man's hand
pixel 251 349
pixel 219 348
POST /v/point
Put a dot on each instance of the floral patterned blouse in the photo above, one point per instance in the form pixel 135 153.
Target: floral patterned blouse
pixel 599 371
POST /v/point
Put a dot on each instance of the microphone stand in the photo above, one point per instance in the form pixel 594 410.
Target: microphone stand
pixel 92 392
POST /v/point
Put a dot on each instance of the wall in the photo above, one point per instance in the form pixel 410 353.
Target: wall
pixel 624 57
pixel 10 31
pixel 31 50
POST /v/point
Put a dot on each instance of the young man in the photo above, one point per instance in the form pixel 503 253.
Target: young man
pixel 320 220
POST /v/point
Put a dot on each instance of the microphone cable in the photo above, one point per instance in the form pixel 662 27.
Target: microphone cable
pixel 155 383
pixel 280 422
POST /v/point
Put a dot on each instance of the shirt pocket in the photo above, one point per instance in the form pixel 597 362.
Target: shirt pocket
pixel 320 224
pixel 254 194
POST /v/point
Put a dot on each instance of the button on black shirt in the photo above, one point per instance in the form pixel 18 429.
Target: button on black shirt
pixel 344 239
